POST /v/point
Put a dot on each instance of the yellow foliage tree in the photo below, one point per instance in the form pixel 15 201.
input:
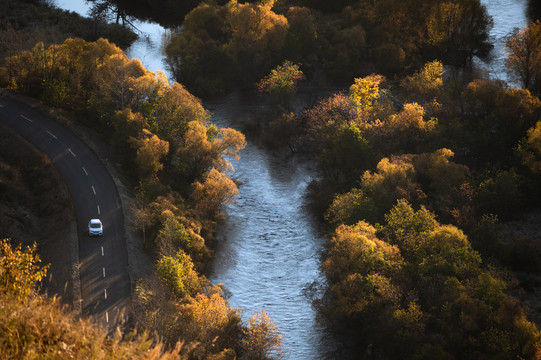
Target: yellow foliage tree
pixel 523 51
pixel 261 338
pixel 19 269
pixel 530 149
pixel 365 91
pixel 215 190
pixel 151 149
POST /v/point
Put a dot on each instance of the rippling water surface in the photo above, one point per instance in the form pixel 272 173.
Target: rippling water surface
pixel 507 15
pixel 269 248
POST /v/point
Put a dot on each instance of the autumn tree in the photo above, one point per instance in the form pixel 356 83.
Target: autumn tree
pixel 414 280
pixel 523 60
pixel 425 85
pixel 323 120
pixel 302 37
pixel 462 28
pixel 150 150
pixel 205 149
pixel 492 112
pixel 174 110
pixel 209 195
pixel 19 269
pixel 530 149
pixel 241 42
pixel 365 91
pixel 261 340
pixel 281 83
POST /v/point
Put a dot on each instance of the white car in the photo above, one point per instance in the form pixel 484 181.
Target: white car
pixel 95 227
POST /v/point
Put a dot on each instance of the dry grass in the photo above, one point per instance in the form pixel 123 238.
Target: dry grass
pixel 37 328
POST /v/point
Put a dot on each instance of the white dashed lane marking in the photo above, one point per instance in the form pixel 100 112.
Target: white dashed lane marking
pixel 50 133
pixel 107 316
pixel 103 271
pixel 99 213
pixel 93 190
pixel 105 291
pixel 71 152
pixel 102 251
pixel 85 171
pixel 27 119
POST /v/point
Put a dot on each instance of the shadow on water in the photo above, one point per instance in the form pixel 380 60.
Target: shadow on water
pixel 534 10
pixel 268 252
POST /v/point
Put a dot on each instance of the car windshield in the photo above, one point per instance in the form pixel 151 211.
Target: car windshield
pixel 95 225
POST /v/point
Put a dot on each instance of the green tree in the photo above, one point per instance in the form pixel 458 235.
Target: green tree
pixel 173 235
pixel 281 83
pixel 178 272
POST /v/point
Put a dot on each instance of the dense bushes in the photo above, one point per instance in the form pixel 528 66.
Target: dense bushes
pixel 224 46
pixel 414 285
pixel 400 280
pixel 175 159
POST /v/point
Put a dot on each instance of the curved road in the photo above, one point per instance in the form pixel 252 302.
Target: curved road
pixel 103 261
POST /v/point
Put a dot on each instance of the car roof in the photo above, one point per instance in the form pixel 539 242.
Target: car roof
pixel 95 221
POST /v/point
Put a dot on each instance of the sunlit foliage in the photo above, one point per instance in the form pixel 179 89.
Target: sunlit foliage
pixel 163 136
pixel 530 149
pixel 239 42
pixel 210 194
pixel 178 273
pixel 20 270
pixel 262 340
pixel 415 281
pixel 281 83
pixel 365 91
pixel 416 178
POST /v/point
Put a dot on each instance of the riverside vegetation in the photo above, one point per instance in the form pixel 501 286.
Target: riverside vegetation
pixel 174 157
pixel 414 190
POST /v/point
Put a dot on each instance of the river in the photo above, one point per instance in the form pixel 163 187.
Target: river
pixel 507 15
pixel 268 252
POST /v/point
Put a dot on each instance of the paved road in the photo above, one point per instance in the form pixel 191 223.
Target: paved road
pixel 105 283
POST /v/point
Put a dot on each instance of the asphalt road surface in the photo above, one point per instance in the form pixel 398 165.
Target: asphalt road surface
pixel 103 261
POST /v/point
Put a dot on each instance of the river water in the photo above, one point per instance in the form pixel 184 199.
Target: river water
pixel 507 15
pixel 268 252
